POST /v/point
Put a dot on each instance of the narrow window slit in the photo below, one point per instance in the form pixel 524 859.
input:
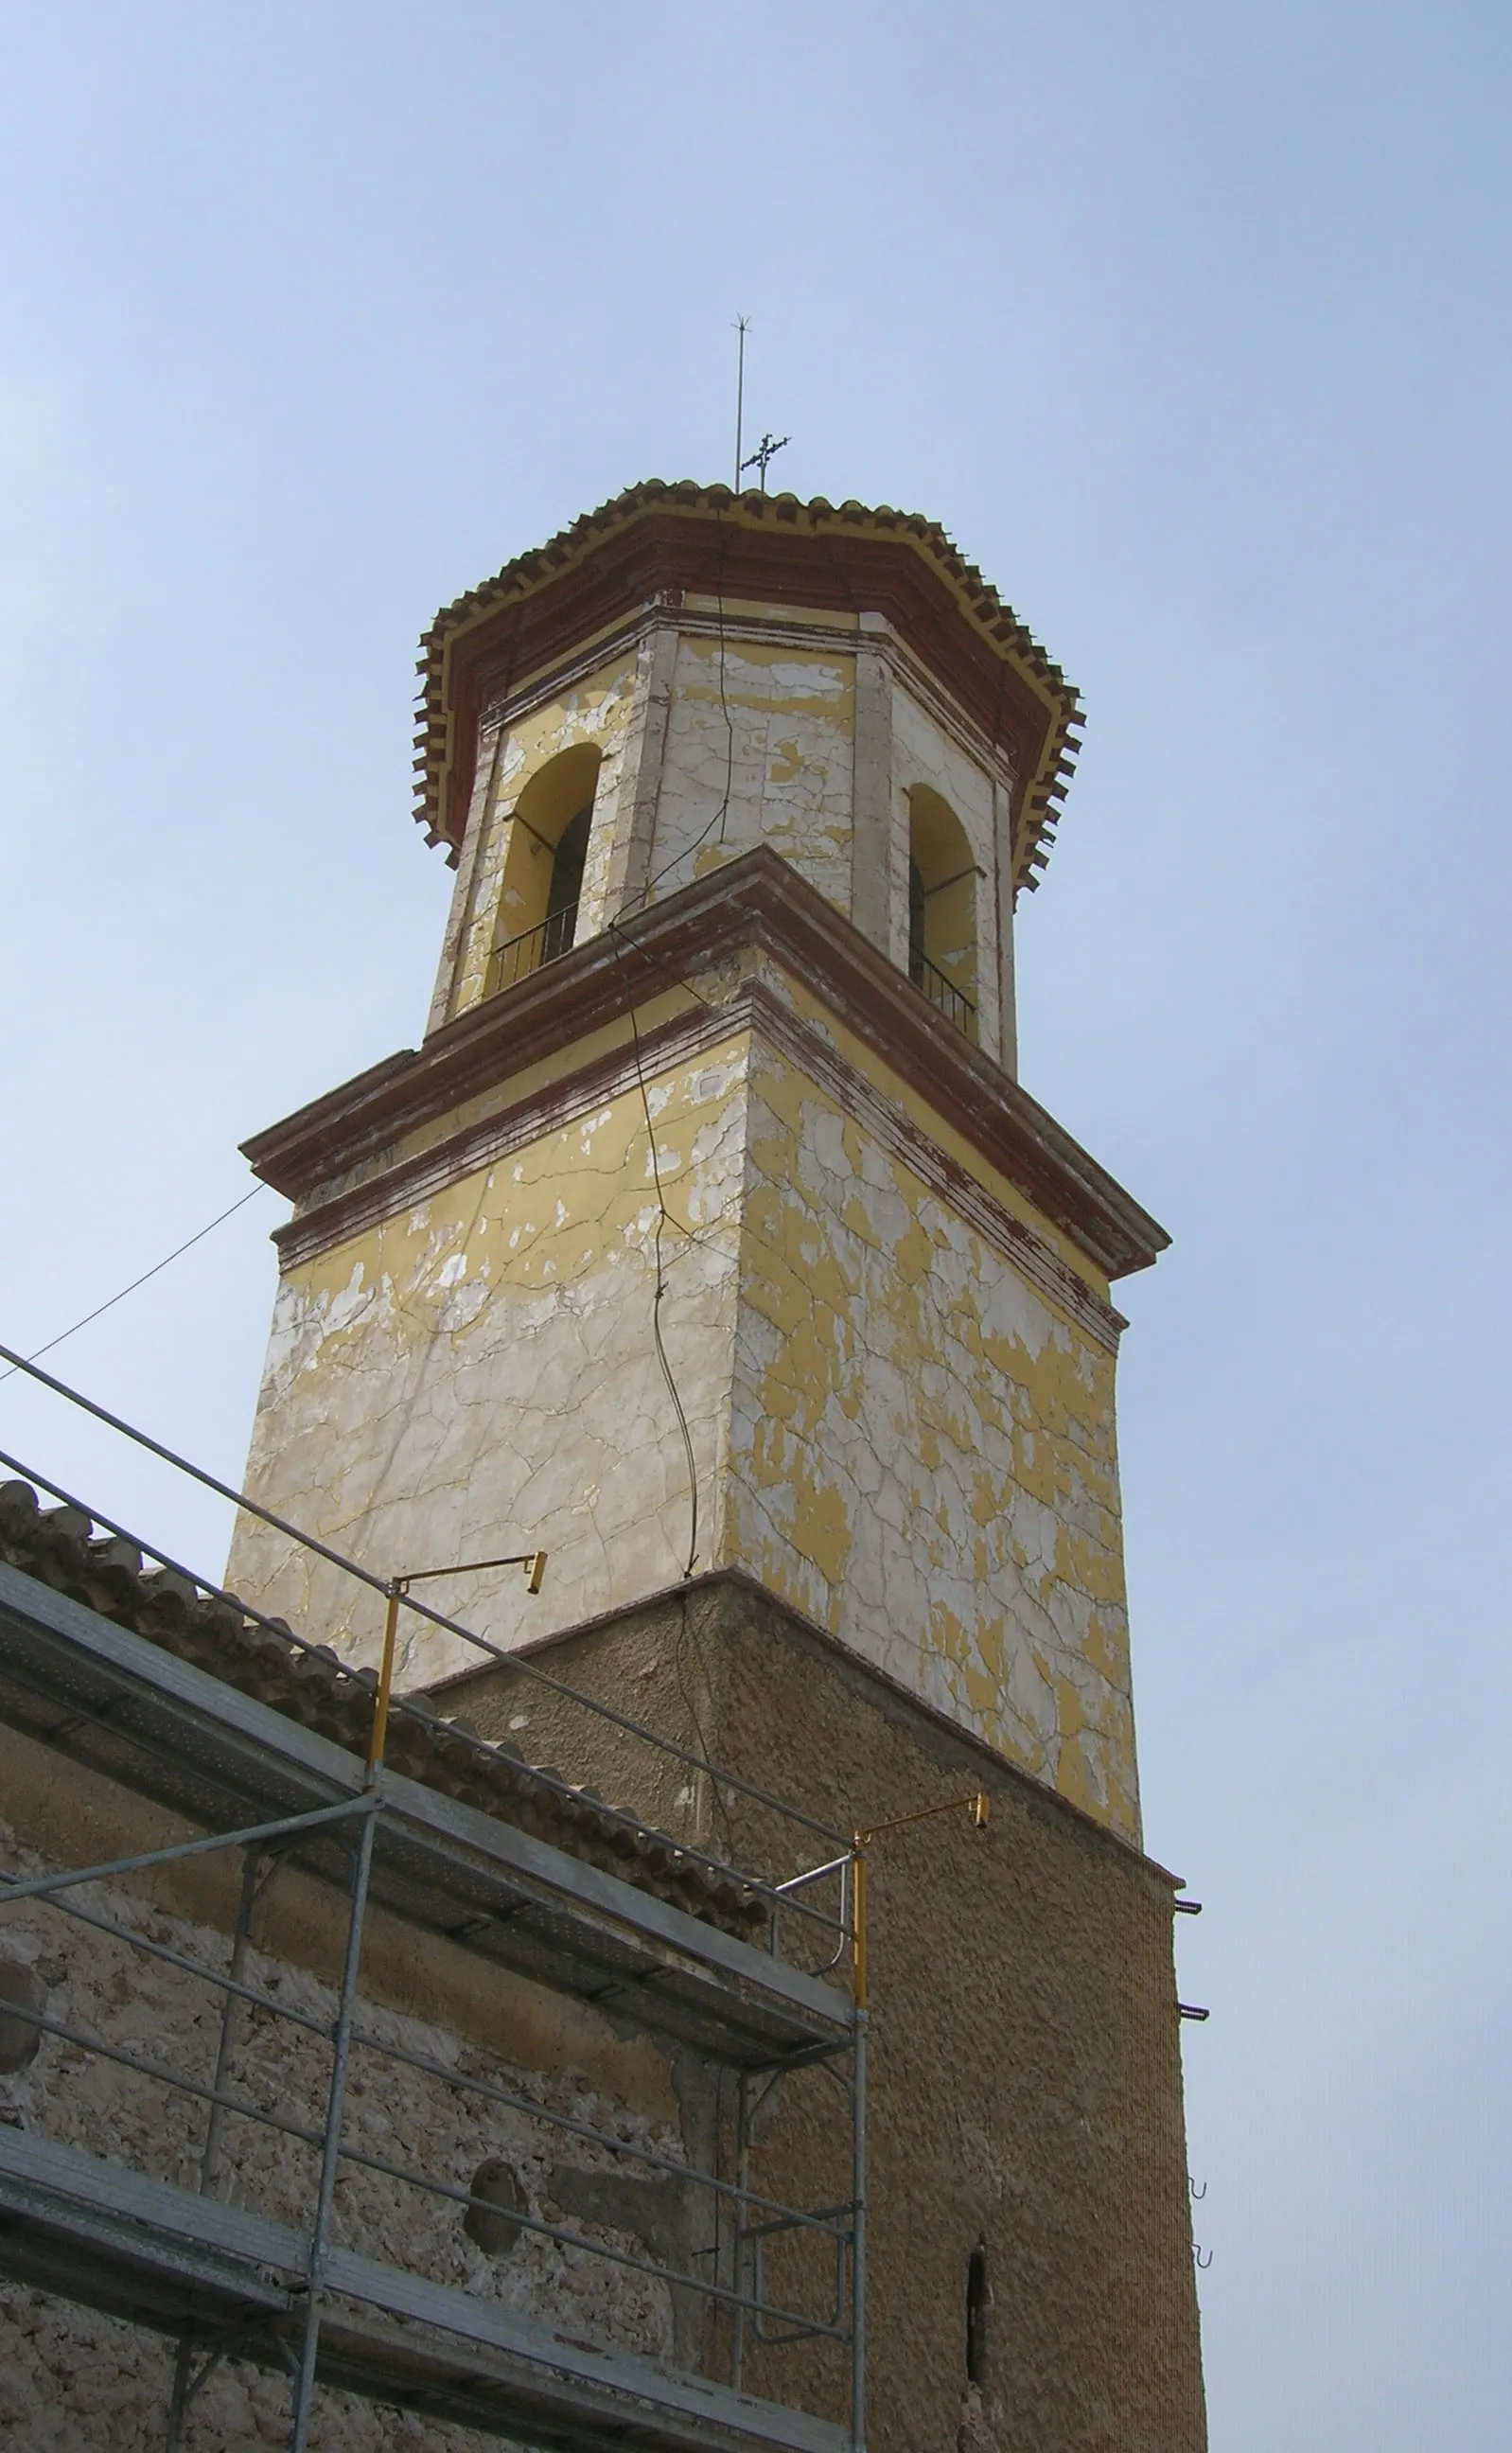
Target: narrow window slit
pixel 978 2300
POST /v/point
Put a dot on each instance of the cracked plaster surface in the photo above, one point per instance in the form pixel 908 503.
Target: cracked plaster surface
pixel 893 1430
pixel 478 1375
pixel 746 742
pixel 781 772
pixel 922 1453
pixel 786 754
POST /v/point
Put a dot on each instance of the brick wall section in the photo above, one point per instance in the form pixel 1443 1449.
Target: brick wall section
pixel 1025 2072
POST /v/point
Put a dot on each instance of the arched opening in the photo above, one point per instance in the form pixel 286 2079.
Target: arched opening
pixel 541 887
pixel 979 2301
pixel 941 908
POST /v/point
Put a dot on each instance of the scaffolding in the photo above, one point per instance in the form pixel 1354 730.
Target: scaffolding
pixel 231 2280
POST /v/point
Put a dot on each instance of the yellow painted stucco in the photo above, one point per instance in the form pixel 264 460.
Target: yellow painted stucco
pixel 923 1455
pixel 595 713
pixel 894 1430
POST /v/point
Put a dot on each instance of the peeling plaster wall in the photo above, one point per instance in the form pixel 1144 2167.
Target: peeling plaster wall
pixel 922 1456
pixel 710 748
pixel 779 724
pixel 895 1429
pixel 598 712
pixel 786 757
pixel 478 1374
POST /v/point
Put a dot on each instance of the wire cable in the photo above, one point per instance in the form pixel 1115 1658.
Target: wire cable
pixel 155 1270
pixel 720 815
pixel 663 1216
pixel 663 1220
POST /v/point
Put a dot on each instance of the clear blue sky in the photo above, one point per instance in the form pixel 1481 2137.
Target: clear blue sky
pixel 1190 322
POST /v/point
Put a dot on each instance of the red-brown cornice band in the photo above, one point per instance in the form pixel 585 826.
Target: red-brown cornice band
pixel 759 902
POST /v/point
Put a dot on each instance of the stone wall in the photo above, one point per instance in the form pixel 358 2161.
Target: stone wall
pixel 83 2383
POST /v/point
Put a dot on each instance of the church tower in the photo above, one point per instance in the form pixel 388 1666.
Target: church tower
pixel 710 1243
pixel 710 1227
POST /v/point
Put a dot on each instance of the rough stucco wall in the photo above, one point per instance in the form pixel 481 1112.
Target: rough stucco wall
pixel 599 711
pixel 1026 2083
pixel 923 1455
pixel 793 716
pixel 479 1375
pixel 74 2379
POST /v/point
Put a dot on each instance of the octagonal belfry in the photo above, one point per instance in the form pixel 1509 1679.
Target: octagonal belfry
pixel 708 1231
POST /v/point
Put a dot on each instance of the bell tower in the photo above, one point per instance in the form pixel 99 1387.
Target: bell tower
pixel 708 1230
pixel 708 1243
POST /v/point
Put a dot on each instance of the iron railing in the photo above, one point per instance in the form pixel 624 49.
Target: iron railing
pixel 515 958
pixel 942 994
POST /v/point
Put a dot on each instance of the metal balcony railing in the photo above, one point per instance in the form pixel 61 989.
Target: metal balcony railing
pixel 515 958
pixel 941 992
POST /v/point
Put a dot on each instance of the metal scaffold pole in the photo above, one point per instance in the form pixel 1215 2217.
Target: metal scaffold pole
pixel 742 2247
pixel 320 2229
pixel 185 2385
pixel 858 2240
pixel 856 1917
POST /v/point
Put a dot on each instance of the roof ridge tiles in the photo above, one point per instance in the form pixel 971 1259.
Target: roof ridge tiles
pixel 311 1684
pixel 437 806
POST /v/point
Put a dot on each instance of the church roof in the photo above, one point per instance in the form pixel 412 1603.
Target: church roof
pixel 310 1684
pixel 657 539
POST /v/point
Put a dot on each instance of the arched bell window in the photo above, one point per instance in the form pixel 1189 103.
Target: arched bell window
pixel 545 853
pixel 941 908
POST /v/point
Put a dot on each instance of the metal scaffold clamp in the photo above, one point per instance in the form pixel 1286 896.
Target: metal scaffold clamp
pixel 533 1562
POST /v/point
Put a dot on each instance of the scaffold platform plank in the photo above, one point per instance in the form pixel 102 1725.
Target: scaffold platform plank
pixel 155 2255
pixel 104 1696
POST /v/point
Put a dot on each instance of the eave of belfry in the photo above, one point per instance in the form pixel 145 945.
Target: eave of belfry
pixel 1031 693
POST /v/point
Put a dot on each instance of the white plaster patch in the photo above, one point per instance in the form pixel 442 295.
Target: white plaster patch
pixel 517 1400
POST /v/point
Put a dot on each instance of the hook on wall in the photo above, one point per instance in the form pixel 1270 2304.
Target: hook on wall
pixel 1204 2262
pixel 1197 2193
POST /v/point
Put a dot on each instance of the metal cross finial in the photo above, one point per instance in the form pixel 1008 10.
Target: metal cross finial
pixel 765 451
pixel 741 327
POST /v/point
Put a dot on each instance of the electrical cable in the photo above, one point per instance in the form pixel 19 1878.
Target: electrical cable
pixel 720 815
pixel 157 1267
pixel 663 1216
pixel 664 1219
